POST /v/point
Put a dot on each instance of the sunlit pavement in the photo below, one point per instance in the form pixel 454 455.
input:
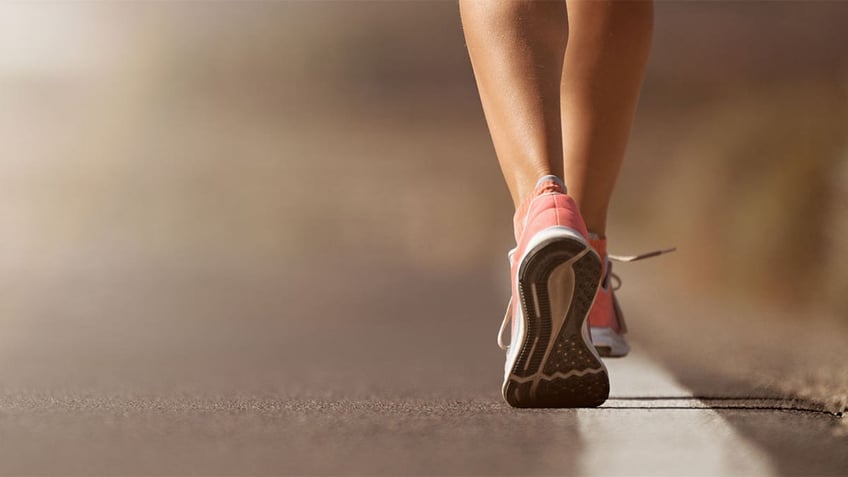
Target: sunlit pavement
pixel 205 373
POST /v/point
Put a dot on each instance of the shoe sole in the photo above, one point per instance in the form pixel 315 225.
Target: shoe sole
pixel 557 366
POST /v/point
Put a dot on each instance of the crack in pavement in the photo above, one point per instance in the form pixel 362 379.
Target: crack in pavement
pixel 719 402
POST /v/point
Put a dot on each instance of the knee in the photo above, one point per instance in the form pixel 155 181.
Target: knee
pixel 493 8
pixel 626 24
pixel 537 22
pixel 509 13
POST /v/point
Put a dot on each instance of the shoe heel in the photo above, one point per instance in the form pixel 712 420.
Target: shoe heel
pixel 556 365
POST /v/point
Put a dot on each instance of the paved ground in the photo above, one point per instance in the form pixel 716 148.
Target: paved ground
pixel 141 149
pixel 168 371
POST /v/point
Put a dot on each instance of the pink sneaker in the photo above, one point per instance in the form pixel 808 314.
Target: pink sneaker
pixel 550 361
pixel 606 321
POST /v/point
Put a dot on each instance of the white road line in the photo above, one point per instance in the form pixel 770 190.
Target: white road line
pixel 660 441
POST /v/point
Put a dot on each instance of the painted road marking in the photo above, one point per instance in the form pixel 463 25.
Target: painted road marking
pixel 649 436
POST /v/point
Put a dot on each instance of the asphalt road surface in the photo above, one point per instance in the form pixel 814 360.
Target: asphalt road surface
pixel 302 371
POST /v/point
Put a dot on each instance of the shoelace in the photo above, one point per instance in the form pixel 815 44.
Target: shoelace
pixel 507 320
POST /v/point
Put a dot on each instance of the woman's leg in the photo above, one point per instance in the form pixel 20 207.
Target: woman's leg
pixel 608 46
pixel 517 49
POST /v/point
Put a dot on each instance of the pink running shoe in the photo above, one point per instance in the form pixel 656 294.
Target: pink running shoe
pixel 606 321
pixel 551 361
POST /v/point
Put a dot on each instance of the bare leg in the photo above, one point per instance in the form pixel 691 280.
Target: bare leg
pixel 608 46
pixel 517 51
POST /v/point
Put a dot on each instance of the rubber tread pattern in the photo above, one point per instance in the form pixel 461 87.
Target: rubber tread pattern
pixel 588 386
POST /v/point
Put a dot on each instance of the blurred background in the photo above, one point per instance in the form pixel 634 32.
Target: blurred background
pixel 173 173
